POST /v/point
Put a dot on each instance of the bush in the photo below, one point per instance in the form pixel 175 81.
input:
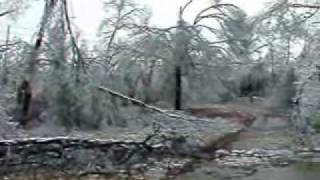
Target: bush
pixel 80 105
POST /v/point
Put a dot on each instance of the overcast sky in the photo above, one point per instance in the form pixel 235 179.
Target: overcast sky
pixel 88 15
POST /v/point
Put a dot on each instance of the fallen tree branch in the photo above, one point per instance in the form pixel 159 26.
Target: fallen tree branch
pixel 310 6
pixel 134 101
pixel 142 104
pixel 6 13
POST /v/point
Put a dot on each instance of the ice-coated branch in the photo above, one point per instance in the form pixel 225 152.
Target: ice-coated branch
pixel 76 49
pixel 134 101
pixel 174 115
pixel 202 14
pixel 310 6
pixel 6 13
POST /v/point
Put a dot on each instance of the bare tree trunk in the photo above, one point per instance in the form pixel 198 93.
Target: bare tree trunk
pixel 181 52
pixel 178 87
pixel 79 61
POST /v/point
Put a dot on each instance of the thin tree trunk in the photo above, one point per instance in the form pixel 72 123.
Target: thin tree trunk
pixel 79 62
pixel 178 88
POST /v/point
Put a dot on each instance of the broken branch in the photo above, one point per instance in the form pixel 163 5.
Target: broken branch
pixel 142 104
pixel 310 6
pixel 6 12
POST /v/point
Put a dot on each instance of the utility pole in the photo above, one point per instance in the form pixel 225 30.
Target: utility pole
pixel 5 70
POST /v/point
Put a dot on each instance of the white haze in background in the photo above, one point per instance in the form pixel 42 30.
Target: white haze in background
pixel 87 15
